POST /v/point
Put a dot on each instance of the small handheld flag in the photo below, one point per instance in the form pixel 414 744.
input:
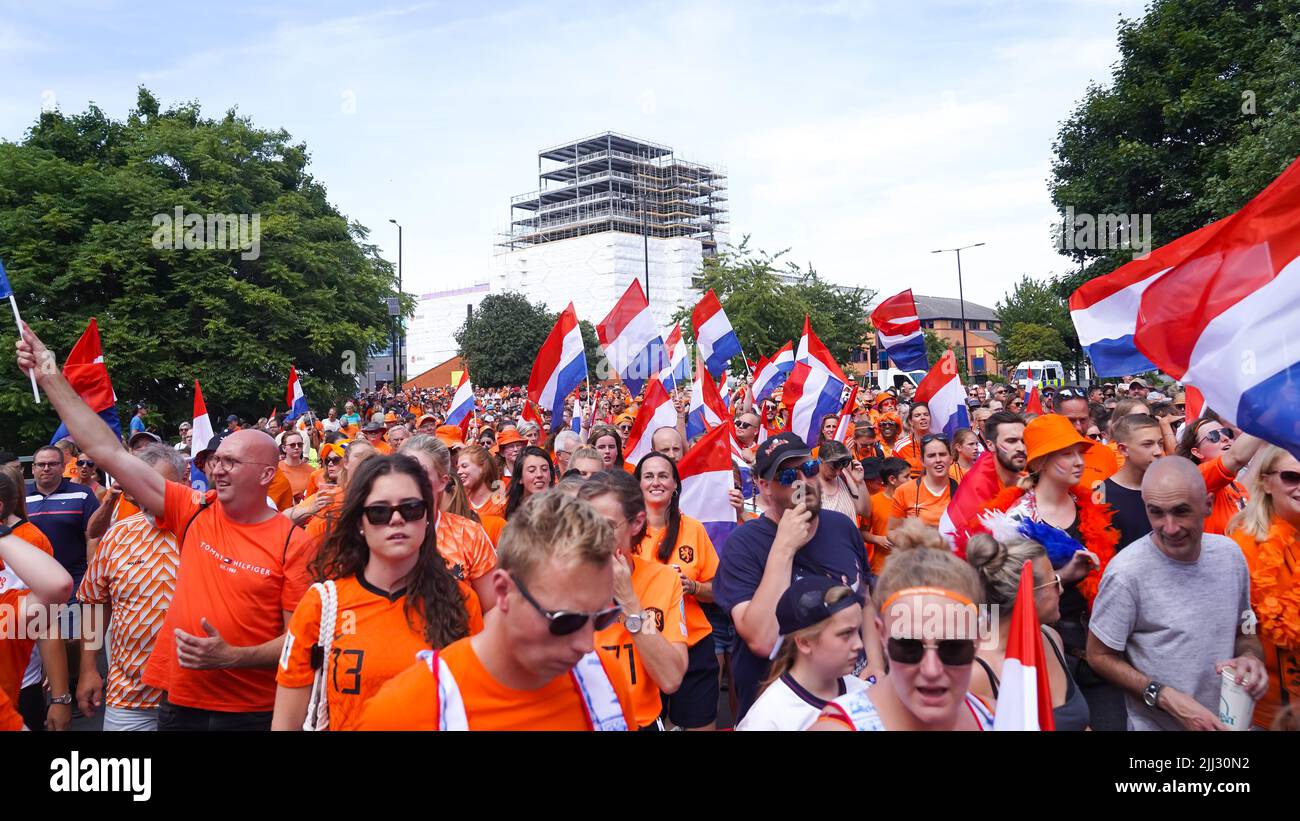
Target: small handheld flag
pixel 6 290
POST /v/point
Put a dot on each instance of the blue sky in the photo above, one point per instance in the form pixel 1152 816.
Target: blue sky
pixel 861 134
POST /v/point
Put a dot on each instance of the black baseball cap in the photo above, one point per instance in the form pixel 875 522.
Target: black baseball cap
pixel 803 604
pixel 777 449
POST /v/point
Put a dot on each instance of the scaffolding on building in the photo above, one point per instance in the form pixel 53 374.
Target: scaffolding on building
pixel 613 182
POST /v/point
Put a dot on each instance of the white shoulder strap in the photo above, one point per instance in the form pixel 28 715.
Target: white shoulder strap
pixel 860 712
pixel 598 694
pixel 318 705
pixel 451 707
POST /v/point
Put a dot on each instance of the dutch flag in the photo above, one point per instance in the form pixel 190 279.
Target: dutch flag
pixel 561 365
pixel 631 339
pixel 707 481
pixel 714 337
pixel 678 371
pixel 899 329
pixel 657 411
pixel 294 397
pixel 463 402
pixel 941 389
pixel 706 409
pixel 770 374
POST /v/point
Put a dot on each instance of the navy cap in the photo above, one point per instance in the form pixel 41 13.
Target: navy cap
pixel 775 450
pixel 803 604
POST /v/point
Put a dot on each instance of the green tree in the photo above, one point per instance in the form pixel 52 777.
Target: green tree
pixel 84 200
pixel 766 313
pixel 1030 341
pixel 1041 303
pixel 1202 112
pixel 501 338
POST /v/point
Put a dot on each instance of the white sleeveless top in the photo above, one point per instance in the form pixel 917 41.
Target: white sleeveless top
pixel 859 712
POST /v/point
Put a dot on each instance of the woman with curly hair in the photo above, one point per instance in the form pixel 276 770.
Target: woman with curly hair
pixel 1266 531
pixel 383 594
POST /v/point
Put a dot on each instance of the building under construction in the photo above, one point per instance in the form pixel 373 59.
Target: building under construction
pixel 612 182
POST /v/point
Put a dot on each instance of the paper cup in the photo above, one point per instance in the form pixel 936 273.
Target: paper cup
pixel 1236 707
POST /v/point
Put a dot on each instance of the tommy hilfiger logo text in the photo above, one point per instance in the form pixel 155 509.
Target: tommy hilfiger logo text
pixel 127 775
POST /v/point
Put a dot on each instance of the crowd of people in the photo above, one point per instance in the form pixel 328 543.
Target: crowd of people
pixel 377 568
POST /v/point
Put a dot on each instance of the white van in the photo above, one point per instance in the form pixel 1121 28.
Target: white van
pixel 893 378
pixel 1047 374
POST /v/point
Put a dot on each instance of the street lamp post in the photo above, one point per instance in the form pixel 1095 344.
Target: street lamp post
pixel 400 359
pixel 961 299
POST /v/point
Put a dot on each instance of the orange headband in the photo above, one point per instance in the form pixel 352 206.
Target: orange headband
pixel 927 591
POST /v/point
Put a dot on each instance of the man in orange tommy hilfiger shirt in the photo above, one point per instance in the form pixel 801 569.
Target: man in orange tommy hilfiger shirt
pixel 534 665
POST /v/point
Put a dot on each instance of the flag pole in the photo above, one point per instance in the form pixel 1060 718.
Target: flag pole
pixel 18 320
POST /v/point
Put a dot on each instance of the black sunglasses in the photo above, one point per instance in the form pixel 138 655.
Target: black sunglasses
pixel 85 463
pixel 952 652
pixel 333 460
pixel 743 425
pixel 565 622
pixel 789 476
pixel 1217 435
pixel 382 514
pixel 933 437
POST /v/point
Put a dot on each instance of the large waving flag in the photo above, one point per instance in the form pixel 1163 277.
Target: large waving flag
pixel 657 411
pixel 976 489
pixel 294 397
pixel 706 484
pixel 812 352
pixel 899 330
pixel 631 339
pixel 1025 695
pixel 1105 310
pixel 86 372
pixel 811 394
pixel 561 364
pixel 714 336
pixel 770 374
pixel 707 409
pixel 463 403
pixel 941 389
pixel 1224 319
pixel 678 370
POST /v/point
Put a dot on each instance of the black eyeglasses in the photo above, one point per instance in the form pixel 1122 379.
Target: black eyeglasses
pixel 565 622
pixel 382 514
pixel 789 476
pixel 1217 435
pixel 952 652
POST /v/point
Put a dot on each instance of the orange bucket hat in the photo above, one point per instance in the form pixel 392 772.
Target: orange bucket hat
pixel 509 436
pixel 450 436
pixel 1050 433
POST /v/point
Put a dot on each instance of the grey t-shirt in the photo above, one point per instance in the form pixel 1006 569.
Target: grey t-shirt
pixel 1174 619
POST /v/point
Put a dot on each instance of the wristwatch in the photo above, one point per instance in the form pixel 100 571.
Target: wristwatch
pixel 66 698
pixel 636 622
pixel 1152 693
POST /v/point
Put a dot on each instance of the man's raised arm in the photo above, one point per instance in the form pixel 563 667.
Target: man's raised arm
pixel 87 428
